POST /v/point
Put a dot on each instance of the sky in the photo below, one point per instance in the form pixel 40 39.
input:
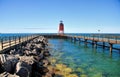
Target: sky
pixel 44 16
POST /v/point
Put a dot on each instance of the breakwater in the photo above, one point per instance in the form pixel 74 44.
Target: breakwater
pixel 28 59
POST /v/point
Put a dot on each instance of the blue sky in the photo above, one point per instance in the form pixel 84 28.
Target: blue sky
pixel 79 16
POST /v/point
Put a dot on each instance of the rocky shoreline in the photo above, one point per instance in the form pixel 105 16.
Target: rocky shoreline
pixel 30 59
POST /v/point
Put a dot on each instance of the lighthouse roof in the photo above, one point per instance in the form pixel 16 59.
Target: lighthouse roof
pixel 61 23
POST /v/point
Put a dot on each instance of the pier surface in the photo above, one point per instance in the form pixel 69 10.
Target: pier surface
pixel 94 38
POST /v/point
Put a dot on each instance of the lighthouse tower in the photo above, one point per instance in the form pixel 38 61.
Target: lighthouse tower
pixel 61 28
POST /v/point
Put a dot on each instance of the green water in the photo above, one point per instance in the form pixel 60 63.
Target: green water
pixel 85 59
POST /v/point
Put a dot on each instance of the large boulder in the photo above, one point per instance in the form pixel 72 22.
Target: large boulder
pixel 23 69
pixel 8 62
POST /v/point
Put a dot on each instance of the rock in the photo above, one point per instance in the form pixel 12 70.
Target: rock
pixel 38 58
pixel 27 52
pixel 28 59
pixel 36 51
pixel 1 68
pixel 46 54
pixel 6 74
pixel 8 62
pixel 37 67
pixel 12 51
pixel 16 52
pixel 45 62
pixel 23 69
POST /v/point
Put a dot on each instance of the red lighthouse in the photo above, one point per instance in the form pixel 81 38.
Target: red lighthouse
pixel 61 28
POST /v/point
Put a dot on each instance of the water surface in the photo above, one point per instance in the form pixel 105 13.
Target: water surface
pixel 86 60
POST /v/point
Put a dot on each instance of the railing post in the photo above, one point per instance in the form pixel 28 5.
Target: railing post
pixel 9 41
pixel 84 36
pixel 19 39
pixel 99 37
pixel 24 38
pixel 74 39
pixel 93 37
pixel 27 37
pixel 108 39
pixel 116 39
pixel 15 39
pixel 30 37
pixel 95 44
pixel 111 45
pixel 1 43
pixel 102 38
pixel 85 42
pixel 89 36
pixel 103 45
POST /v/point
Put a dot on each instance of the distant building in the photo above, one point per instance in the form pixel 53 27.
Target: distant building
pixel 61 28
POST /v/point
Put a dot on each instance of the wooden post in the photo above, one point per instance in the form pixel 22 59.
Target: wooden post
pixel 103 45
pixel 79 40
pixel 15 39
pixel 19 39
pixel 92 43
pixel 111 45
pixel 9 41
pixel 27 37
pixel 85 42
pixel 116 39
pixel 93 37
pixel 95 44
pixel 31 37
pixel 1 43
pixel 74 39
pixel 84 37
pixel 108 40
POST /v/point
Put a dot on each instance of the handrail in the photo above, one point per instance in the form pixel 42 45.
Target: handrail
pixel 9 41
pixel 100 37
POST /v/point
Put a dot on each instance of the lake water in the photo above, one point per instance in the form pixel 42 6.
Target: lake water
pixel 86 61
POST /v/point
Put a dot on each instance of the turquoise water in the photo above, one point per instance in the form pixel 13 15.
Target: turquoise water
pixel 85 59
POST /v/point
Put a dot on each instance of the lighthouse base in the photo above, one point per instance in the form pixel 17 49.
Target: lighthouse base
pixel 61 33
